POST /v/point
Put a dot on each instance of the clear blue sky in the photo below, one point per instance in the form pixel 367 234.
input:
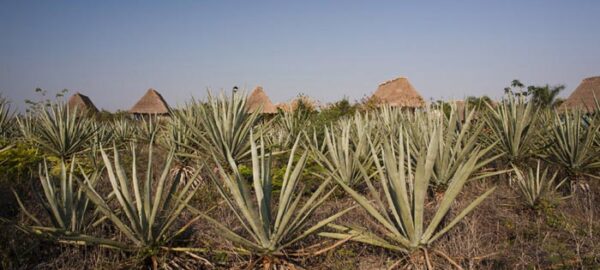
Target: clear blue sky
pixel 113 51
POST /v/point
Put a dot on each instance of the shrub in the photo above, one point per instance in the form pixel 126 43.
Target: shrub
pixel 403 218
pixel 536 184
pixel 268 232
pixel 57 131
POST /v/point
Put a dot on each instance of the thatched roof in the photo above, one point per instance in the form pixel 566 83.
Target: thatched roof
pixel 583 96
pixel 293 104
pixel 259 98
pixel 151 103
pixel 308 102
pixel 82 103
pixel 460 106
pixel 283 106
pixel 399 92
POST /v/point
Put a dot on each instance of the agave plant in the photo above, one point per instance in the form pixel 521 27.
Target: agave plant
pixel 58 131
pixel 148 129
pixel 64 201
pixel 269 232
pixel 344 151
pixel 123 130
pixel 177 138
pixel 226 126
pixel 402 219
pixel 456 142
pixel 146 209
pixel 275 137
pixel 571 143
pixel 419 126
pixel 103 135
pixel 293 123
pixel 536 184
pixel 6 120
pixel 512 125
pixel 389 119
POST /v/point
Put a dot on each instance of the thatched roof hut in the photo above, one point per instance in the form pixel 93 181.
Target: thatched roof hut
pixel 399 92
pixel 583 96
pixel 460 108
pixel 293 104
pixel 82 103
pixel 151 103
pixel 259 98
pixel 283 106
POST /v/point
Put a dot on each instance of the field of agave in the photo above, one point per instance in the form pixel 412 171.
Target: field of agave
pixel 496 186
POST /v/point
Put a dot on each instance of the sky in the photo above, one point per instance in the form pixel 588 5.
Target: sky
pixel 113 51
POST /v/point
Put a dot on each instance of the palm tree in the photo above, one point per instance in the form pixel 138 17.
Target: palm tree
pixel 541 96
pixel 515 88
pixel 545 96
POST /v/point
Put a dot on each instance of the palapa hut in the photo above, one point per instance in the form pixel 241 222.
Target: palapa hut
pixel 152 103
pixel 310 104
pixel 460 109
pixel 258 99
pixel 399 93
pixel 583 96
pixel 283 106
pixel 82 103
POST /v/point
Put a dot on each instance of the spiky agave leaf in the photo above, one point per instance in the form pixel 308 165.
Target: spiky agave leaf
pixel 123 130
pixel 270 230
pixel 389 119
pixel 185 132
pixel 404 193
pixel 6 148
pixel 571 143
pixel 58 131
pixel 226 125
pixel 456 141
pixel 7 123
pixel 419 127
pixel 275 137
pixel 344 150
pixel 292 124
pixel 536 184
pixel 146 208
pixel 180 137
pixel 148 128
pixel 513 125
pixel 177 137
pixel 64 200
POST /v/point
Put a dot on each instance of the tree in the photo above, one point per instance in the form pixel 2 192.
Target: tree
pixel 542 96
pixel 516 88
pixel 545 96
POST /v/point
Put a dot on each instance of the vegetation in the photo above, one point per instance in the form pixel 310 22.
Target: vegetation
pixel 457 141
pixel 405 192
pixel 545 96
pixel 344 151
pixel 226 126
pixel 342 187
pixel 57 131
pixel 536 185
pixel 123 130
pixel 512 125
pixel 7 124
pixel 145 210
pixel 571 143
pixel 271 235
pixel 64 200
